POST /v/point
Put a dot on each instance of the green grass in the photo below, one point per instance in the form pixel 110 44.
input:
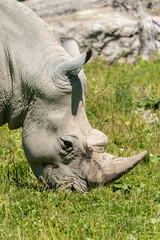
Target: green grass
pixel 127 209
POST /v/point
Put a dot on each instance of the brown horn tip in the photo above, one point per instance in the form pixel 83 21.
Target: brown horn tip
pixel 123 165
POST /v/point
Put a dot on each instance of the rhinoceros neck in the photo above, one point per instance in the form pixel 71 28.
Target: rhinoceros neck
pixel 28 44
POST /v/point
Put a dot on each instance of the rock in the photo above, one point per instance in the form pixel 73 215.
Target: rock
pixel 114 29
pixel 46 8
pixel 148 115
pixel 63 7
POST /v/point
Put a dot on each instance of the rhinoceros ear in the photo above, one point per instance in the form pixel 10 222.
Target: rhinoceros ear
pixel 71 46
pixel 73 66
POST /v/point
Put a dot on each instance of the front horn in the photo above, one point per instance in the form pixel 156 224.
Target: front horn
pixel 103 168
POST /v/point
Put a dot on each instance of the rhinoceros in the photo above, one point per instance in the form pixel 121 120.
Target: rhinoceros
pixel 42 90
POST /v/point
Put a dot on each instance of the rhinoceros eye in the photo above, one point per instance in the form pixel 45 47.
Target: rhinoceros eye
pixel 68 145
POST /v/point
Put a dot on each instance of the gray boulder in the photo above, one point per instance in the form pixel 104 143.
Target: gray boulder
pixel 114 29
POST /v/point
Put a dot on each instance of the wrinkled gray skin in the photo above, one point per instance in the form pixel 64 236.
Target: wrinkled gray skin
pixel 42 89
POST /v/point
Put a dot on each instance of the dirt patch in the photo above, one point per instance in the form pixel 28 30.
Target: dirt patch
pixel 87 155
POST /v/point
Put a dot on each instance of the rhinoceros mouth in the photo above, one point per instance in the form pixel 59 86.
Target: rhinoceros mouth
pixel 62 176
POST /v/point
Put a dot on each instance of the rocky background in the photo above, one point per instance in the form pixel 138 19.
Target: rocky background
pixel 114 29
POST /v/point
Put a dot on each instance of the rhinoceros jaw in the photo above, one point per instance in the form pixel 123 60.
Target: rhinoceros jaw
pixel 63 177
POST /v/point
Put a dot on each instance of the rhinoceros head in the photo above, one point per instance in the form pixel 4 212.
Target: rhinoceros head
pixel 60 145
